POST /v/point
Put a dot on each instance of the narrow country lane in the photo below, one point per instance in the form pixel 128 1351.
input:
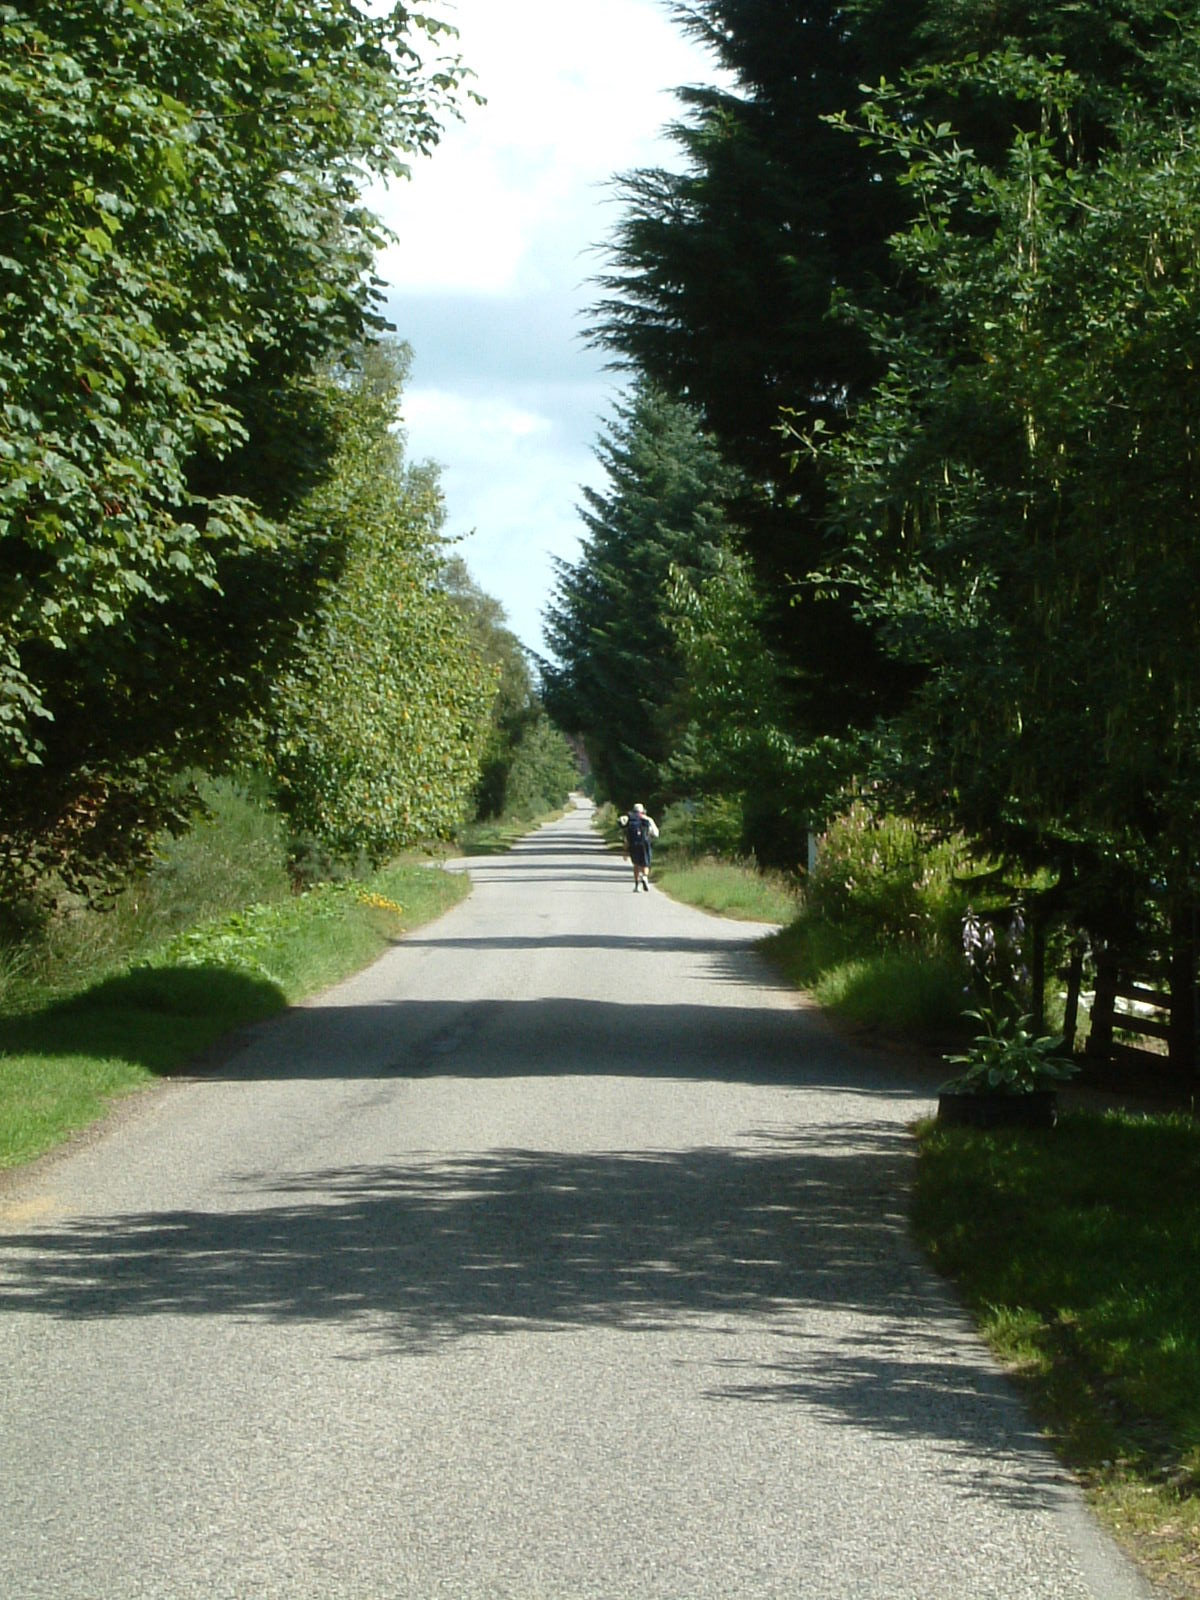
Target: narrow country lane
pixel 560 1254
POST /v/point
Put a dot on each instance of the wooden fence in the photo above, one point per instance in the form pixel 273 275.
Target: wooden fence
pixel 1163 991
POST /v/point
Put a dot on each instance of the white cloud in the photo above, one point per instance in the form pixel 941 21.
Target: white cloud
pixel 439 414
pixel 511 474
pixel 574 94
pixel 489 278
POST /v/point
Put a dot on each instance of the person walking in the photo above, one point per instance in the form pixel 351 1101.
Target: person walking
pixel 640 832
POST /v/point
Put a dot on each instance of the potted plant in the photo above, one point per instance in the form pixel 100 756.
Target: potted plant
pixel 1011 1075
pixel 1010 1078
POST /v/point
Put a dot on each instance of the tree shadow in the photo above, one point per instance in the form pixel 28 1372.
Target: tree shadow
pixel 902 1382
pixel 502 869
pixel 490 1039
pixel 141 1014
pixel 730 960
pixel 441 1247
pixel 433 1249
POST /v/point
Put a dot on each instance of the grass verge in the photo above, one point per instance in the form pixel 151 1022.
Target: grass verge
pixel 729 888
pixel 495 837
pixel 62 1062
pixel 908 994
pixel 1078 1252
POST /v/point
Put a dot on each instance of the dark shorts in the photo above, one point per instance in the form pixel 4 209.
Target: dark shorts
pixel 639 854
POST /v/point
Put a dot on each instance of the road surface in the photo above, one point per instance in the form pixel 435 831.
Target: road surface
pixel 561 1254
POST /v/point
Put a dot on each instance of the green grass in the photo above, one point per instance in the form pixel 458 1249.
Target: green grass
pixel 729 888
pixel 1079 1253
pixel 495 837
pixel 906 992
pixel 62 1061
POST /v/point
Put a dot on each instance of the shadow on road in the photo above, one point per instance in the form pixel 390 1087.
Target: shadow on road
pixel 790 1226
pixel 729 964
pixel 445 1247
pixel 432 1250
pixel 493 1039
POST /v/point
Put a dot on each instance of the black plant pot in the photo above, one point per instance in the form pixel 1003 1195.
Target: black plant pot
pixel 1036 1110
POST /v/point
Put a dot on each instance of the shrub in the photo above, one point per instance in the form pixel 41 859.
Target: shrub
pixel 710 825
pixel 234 854
pixel 888 883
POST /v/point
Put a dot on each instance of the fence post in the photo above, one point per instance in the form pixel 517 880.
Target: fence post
pixel 1074 984
pixel 1101 1030
pixel 1182 981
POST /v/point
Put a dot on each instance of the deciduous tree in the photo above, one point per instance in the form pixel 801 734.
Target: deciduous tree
pixel 181 244
pixel 377 733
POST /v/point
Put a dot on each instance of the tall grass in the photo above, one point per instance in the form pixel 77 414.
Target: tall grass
pixel 909 991
pixel 729 888
pixel 234 856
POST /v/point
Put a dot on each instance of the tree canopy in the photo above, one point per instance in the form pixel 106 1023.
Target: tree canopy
pixel 182 244
pixel 1018 495
pixel 969 288
pixel 726 277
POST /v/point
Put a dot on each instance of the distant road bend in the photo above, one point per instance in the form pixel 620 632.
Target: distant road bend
pixel 560 1254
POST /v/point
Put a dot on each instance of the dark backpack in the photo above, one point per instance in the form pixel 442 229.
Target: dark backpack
pixel 637 830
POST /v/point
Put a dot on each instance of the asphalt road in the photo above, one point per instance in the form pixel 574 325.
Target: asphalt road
pixel 561 1254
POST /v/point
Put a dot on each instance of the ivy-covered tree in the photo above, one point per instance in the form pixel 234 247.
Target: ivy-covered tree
pixel 378 731
pixel 181 244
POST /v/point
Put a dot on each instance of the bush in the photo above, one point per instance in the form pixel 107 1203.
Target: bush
pixel 235 853
pixel 542 773
pixel 707 826
pixel 887 883
pixel 878 939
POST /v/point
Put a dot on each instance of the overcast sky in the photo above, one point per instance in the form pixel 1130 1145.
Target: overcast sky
pixel 496 246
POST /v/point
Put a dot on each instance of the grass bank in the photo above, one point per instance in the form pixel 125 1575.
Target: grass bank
pixel 65 1052
pixel 729 888
pixel 1078 1253
pixel 910 994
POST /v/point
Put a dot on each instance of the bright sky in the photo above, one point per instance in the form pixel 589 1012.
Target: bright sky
pixel 497 236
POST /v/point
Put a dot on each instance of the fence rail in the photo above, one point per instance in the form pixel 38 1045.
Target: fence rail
pixel 1173 1006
